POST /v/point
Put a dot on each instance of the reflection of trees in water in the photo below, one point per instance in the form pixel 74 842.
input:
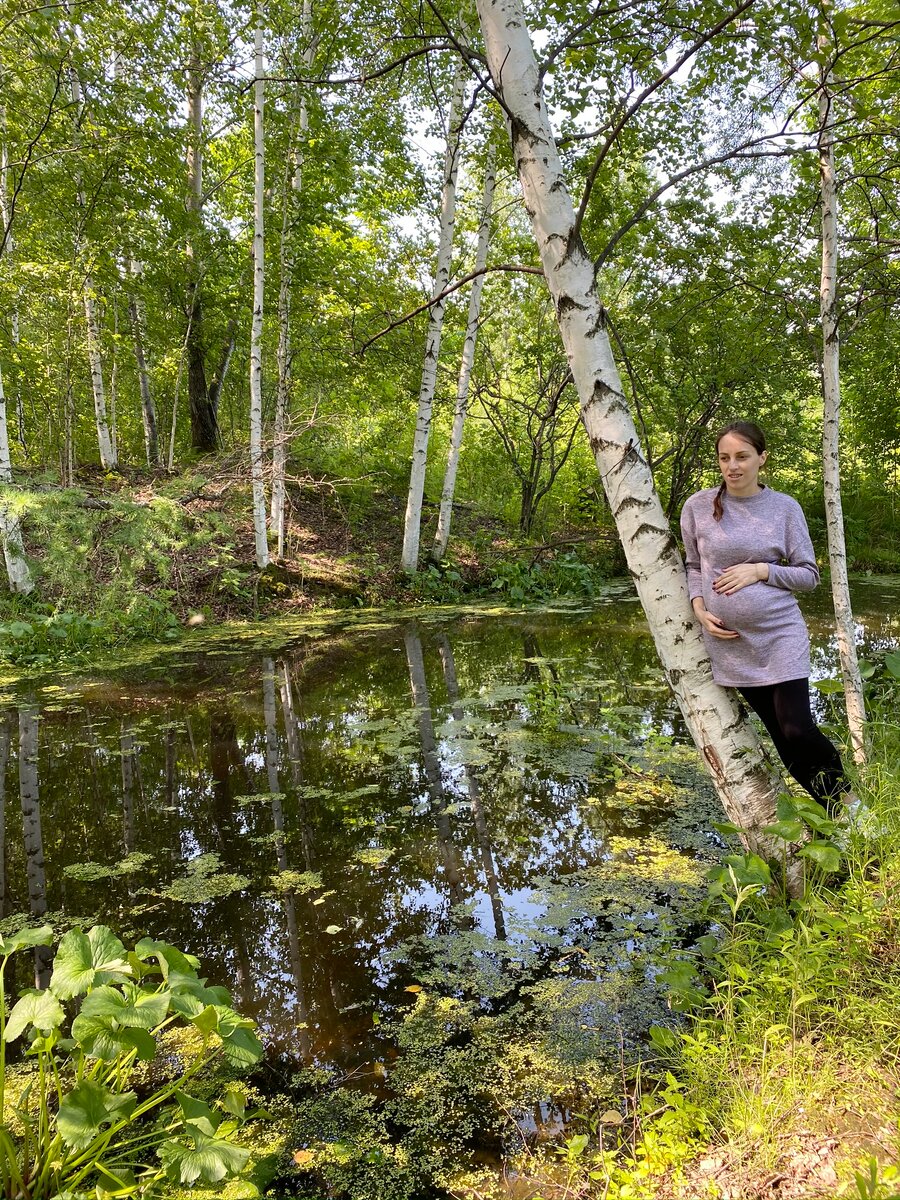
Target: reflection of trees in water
pixel 474 790
pixel 5 737
pixel 29 798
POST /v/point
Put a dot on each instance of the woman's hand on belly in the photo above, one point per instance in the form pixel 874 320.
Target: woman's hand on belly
pixel 739 576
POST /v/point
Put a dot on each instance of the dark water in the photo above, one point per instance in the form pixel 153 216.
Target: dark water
pixel 480 806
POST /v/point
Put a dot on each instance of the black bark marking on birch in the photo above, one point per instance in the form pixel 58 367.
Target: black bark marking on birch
pixel 566 305
pixel 600 324
pixel 557 186
pixel 599 445
pixel 522 134
pixel 601 395
pixel 646 527
pixel 630 502
pixel 674 675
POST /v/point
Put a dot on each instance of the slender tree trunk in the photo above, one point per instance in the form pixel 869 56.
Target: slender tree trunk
pixel 127 754
pixel 726 740
pixel 442 534
pixel 204 425
pixel 259 278
pixel 413 520
pixel 293 184
pixel 107 449
pixel 17 570
pixel 6 222
pixel 148 408
pixel 831 393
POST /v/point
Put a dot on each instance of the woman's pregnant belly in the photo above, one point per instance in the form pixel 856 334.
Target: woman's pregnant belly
pixel 756 607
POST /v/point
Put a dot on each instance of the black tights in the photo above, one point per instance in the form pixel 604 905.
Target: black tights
pixel 803 748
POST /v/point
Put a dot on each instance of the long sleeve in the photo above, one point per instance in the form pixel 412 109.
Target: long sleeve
pixel 691 553
pixel 801 573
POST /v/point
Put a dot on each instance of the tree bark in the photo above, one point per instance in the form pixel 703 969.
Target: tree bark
pixel 204 424
pixel 259 279
pixel 29 797
pixel 831 395
pixel 148 408
pixel 293 184
pixel 108 459
pixel 727 743
pixel 445 515
pixel 17 570
pixel 413 520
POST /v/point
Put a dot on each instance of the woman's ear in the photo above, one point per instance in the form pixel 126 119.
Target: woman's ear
pixel 763 457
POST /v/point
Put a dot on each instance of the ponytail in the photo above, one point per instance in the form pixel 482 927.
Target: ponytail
pixel 718 510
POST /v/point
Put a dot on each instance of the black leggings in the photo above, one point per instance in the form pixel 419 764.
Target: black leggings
pixel 803 748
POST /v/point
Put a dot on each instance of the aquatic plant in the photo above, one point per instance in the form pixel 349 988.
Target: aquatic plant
pixel 82 1113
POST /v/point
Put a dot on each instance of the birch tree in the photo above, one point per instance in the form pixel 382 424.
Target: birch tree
pixel 727 743
pixel 17 570
pixel 108 457
pixel 831 396
pixel 445 515
pixel 413 520
pixel 293 183
pixel 148 408
pixel 259 279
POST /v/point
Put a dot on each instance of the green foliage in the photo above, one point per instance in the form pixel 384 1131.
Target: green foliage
pixel 80 1113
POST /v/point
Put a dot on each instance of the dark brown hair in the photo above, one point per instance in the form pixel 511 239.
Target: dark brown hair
pixel 747 431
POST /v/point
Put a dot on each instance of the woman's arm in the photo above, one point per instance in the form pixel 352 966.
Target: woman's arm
pixel 691 553
pixel 801 573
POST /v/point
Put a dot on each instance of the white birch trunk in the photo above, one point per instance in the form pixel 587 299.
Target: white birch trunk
pixel 148 408
pixel 92 324
pixel 292 189
pixel 6 220
pixel 17 570
pixel 5 738
pixel 831 396
pixel 413 520
pixel 259 277
pixel 445 516
pixel 727 742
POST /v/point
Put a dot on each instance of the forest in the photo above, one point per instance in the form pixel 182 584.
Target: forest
pixel 356 364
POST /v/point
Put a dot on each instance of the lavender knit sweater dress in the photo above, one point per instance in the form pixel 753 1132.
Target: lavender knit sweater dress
pixel 768 527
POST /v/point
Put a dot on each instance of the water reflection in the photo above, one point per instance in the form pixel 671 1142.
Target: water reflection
pixel 465 805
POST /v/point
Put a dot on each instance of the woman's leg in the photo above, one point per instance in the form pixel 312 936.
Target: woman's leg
pixel 816 759
pixel 803 748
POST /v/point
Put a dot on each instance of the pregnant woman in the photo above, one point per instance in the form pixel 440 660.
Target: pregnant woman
pixel 748 551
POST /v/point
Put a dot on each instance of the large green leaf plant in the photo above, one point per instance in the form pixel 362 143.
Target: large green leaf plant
pixel 86 1118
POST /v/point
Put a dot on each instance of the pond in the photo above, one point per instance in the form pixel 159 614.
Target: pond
pixel 501 811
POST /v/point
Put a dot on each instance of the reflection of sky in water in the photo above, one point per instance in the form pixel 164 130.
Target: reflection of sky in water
pixel 546 698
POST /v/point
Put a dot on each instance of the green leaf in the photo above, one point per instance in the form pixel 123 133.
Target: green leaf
pixel 826 856
pixel 41 1009
pixel 197 1115
pixel 791 830
pixel 87 1108
pixel 132 1007
pixel 892 663
pixel 240 1045
pixel 168 957
pixel 100 1036
pixel 86 961
pixel 234 1102
pixel 828 687
pixel 25 938
pixel 210 1159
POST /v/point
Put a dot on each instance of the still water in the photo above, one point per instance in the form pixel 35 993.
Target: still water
pixel 486 805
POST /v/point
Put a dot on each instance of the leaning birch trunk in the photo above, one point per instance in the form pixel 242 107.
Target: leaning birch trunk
pixel 413 520
pixel 292 187
pixel 259 278
pixel 108 457
pixel 831 395
pixel 442 534
pixel 17 570
pixel 148 408
pixel 727 742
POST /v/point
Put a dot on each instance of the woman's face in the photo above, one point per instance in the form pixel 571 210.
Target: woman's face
pixel 739 463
